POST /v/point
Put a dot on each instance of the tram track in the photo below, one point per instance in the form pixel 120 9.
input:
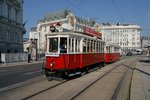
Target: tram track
pixel 115 94
pixel 44 90
pixel 122 80
pixel 51 84
pixel 76 94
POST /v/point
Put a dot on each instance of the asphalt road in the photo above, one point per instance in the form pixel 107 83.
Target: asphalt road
pixel 20 73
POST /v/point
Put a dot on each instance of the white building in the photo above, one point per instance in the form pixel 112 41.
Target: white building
pixel 127 36
pixel 63 21
pixel 145 41
pixel 11 26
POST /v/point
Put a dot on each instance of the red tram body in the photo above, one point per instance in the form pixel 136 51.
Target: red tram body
pixel 112 53
pixel 66 62
pixel 73 52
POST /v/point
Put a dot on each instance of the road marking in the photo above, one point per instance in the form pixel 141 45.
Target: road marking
pixel 33 72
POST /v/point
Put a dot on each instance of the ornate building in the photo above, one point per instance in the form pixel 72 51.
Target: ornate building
pixel 63 21
pixel 127 36
pixel 11 26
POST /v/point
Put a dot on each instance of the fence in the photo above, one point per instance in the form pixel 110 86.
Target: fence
pixel 13 57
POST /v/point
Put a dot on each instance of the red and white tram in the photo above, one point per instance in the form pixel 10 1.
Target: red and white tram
pixel 70 53
pixel 112 53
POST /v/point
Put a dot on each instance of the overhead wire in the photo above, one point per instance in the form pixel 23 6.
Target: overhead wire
pixel 79 8
pixel 117 9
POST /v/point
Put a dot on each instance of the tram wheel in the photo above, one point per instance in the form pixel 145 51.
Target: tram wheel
pixel 100 65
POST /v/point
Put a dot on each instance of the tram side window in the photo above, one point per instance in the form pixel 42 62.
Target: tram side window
pixel 88 46
pixel 78 46
pixel 107 51
pixel 97 46
pixel 84 45
pixel 70 44
pixel 94 49
pixel 63 45
pixel 53 45
pixel 92 46
pixel 102 47
pixel 116 50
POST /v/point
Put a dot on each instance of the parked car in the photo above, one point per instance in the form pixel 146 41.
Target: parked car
pixel 129 54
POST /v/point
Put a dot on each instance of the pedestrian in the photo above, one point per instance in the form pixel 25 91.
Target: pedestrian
pixel 29 57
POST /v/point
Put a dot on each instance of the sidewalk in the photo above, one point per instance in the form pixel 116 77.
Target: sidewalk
pixel 20 63
pixel 140 87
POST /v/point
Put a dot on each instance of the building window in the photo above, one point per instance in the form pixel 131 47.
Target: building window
pixel 16 51
pixel 1 8
pixel 8 51
pixel 7 36
pixel 9 12
pixel 17 38
pixel 16 15
pixel 11 36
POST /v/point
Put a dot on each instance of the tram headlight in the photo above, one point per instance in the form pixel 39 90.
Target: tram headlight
pixel 51 64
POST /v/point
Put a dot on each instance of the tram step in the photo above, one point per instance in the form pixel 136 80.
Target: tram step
pixel 73 74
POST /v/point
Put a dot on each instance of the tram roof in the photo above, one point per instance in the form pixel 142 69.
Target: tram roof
pixel 80 34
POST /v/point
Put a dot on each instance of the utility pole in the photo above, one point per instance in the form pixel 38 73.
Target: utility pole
pixel 148 36
pixel 148 28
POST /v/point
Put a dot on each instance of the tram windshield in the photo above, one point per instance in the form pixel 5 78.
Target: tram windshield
pixel 63 45
pixel 53 45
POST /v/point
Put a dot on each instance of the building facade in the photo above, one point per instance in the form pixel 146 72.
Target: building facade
pixel 63 21
pixel 11 26
pixel 145 41
pixel 127 36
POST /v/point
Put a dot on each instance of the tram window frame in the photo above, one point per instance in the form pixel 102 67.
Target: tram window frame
pixel 84 46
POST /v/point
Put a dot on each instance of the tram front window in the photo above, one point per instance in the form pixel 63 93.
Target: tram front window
pixel 63 45
pixel 53 45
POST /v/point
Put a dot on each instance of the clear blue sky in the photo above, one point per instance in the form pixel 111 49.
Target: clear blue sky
pixel 113 11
